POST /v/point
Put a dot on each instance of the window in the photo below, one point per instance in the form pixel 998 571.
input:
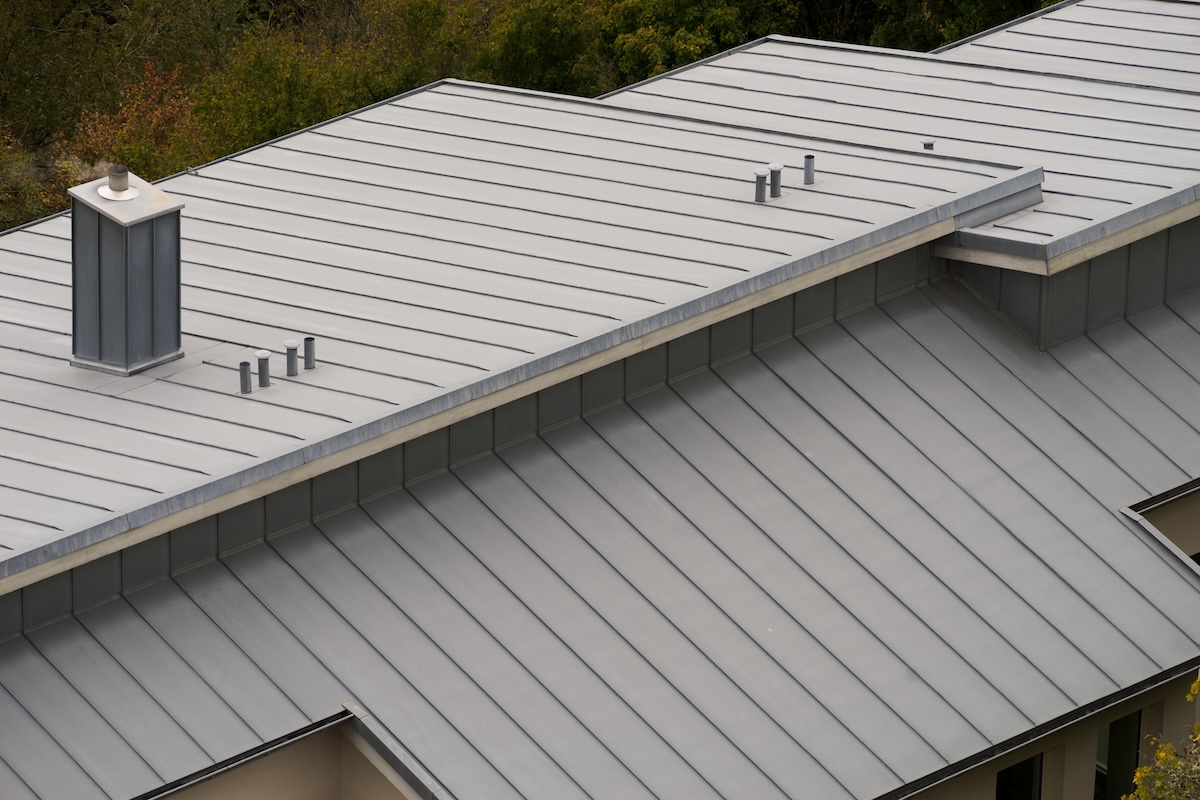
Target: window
pixel 1021 781
pixel 1117 748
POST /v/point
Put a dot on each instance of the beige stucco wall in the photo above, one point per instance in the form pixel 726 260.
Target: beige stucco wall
pixel 326 766
pixel 1069 755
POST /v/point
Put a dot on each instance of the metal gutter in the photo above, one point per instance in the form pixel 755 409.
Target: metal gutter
pixel 1041 731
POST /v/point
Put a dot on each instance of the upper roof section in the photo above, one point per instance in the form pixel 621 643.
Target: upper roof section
pixel 1120 161
pixel 442 247
pixel 1150 43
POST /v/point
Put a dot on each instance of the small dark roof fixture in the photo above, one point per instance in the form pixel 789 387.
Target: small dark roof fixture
pixel 125 304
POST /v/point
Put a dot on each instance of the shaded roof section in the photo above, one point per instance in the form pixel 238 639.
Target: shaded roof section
pixel 1149 43
pixel 1114 156
pixel 440 246
pixel 830 568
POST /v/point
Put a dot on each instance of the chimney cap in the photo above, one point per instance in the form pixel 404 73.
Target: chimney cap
pixel 149 202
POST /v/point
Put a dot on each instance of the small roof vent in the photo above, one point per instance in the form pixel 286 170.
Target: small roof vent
pixel 125 303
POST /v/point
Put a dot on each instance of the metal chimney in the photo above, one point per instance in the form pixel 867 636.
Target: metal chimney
pixel 124 274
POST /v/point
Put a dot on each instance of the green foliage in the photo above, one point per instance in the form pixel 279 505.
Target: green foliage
pixel 552 45
pixel 1172 775
pixel 652 36
pixel 274 84
pixel 23 190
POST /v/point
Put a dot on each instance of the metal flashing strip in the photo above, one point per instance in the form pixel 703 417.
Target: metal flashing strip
pixel 1162 498
pixel 393 753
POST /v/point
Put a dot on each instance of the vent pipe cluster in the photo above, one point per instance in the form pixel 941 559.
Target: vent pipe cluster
pixel 292 348
pixel 775 173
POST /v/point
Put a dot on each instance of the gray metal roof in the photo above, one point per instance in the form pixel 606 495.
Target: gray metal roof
pixel 1149 43
pixel 440 246
pixel 1114 155
pixel 827 569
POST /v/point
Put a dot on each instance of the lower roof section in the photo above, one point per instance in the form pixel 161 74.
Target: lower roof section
pixel 833 567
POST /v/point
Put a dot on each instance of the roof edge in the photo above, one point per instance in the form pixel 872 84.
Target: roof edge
pixel 1041 731
pixel 233 762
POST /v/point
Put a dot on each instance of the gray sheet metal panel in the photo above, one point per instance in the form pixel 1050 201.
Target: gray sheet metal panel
pixel 1183 257
pixel 855 290
pixel 1065 314
pixel 11 785
pixel 1160 426
pixel 1048 500
pixel 707 626
pixel 106 757
pixel 1021 299
pixel 1159 373
pixel 1108 284
pixel 372 680
pixel 1050 648
pixel 216 659
pixel 200 431
pixel 262 637
pixel 441 638
pixel 145 562
pixel 166 323
pixel 114 251
pixel 621 646
pixel 85 280
pixel 135 716
pixel 140 297
pixel 10 614
pixel 131 442
pixel 1006 691
pixel 193 544
pixel 331 491
pixel 168 678
pixel 241 525
pixel 690 352
pixel 39 759
pixel 1147 272
pixel 45 450
pixel 97 493
pixel 789 616
pixel 521 629
pixel 46 600
pixel 1111 434
pixel 1166 329
pixel 814 306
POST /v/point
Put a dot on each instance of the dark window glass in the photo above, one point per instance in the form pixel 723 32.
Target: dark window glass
pixel 1021 781
pixel 1117 757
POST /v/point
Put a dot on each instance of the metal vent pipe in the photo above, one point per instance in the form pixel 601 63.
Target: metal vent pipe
pixel 244 370
pixel 292 345
pixel 264 367
pixel 310 352
pixel 810 170
pixel 776 179
pixel 760 184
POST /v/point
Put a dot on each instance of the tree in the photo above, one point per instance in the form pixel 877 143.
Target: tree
pixel 1172 775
